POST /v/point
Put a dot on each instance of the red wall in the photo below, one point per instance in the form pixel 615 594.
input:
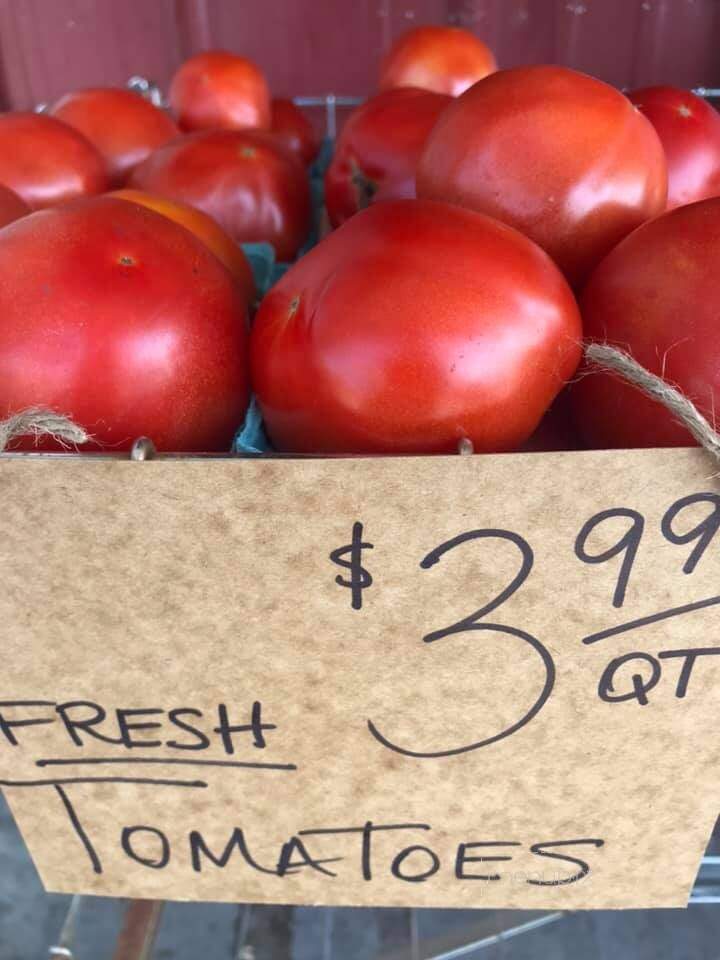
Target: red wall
pixel 316 46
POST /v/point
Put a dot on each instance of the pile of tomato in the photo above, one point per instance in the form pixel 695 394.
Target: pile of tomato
pixel 482 225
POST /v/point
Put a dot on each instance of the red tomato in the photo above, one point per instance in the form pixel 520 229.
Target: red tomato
pixel 689 130
pixel 255 188
pixel 12 207
pixel 443 59
pixel 378 150
pixel 46 162
pixel 206 229
pixel 123 126
pixel 122 320
pixel 564 158
pixel 366 345
pixel 294 130
pixel 219 89
pixel 657 295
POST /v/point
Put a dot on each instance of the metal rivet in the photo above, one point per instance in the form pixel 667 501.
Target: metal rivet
pixel 465 447
pixel 143 449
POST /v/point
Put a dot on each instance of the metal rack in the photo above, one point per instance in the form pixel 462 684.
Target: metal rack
pixel 329 101
pixel 142 923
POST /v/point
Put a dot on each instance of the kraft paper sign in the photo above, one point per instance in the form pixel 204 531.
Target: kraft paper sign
pixel 466 681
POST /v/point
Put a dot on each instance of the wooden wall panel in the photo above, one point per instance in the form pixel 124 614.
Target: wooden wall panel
pixel 518 31
pixel 625 42
pixel 598 37
pixel 48 47
pixel 316 46
pixel 304 47
pixel 400 16
pixel 679 39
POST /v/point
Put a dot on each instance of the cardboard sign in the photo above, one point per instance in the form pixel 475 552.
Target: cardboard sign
pixel 467 681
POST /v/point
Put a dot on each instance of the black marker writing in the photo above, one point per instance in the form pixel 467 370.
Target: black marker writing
pixel 313 849
pixel 80 831
pixel 157 857
pixel 200 849
pixel 255 727
pixel 420 875
pixel 627 544
pixel 462 858
pixel 7 725
pixel 689 656
pixel 640 686
pixel 652 618
pixel 472 623
pixel 286 865
pixel 540 850
pixel 703 532
pixel 360 578
pixel 367 831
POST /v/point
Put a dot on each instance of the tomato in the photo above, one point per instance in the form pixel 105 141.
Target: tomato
pixel 124 321
pixel 46 162
pixel 378 149
pixel 689 130
pixel 12 207
pixel 123 126
pixel 206 229
pixel 219 89
pixel 443 59
pixel 294 130
pixel 657 296
pixel 564 158
pixel 255 188
pixel 367 345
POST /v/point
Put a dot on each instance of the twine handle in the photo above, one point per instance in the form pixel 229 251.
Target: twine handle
pixel 38 422
pixel 612 360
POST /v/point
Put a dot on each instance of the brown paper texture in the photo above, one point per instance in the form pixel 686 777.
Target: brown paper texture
pixel 366 765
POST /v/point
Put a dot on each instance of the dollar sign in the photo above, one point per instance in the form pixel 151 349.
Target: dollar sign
pixel 360 578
